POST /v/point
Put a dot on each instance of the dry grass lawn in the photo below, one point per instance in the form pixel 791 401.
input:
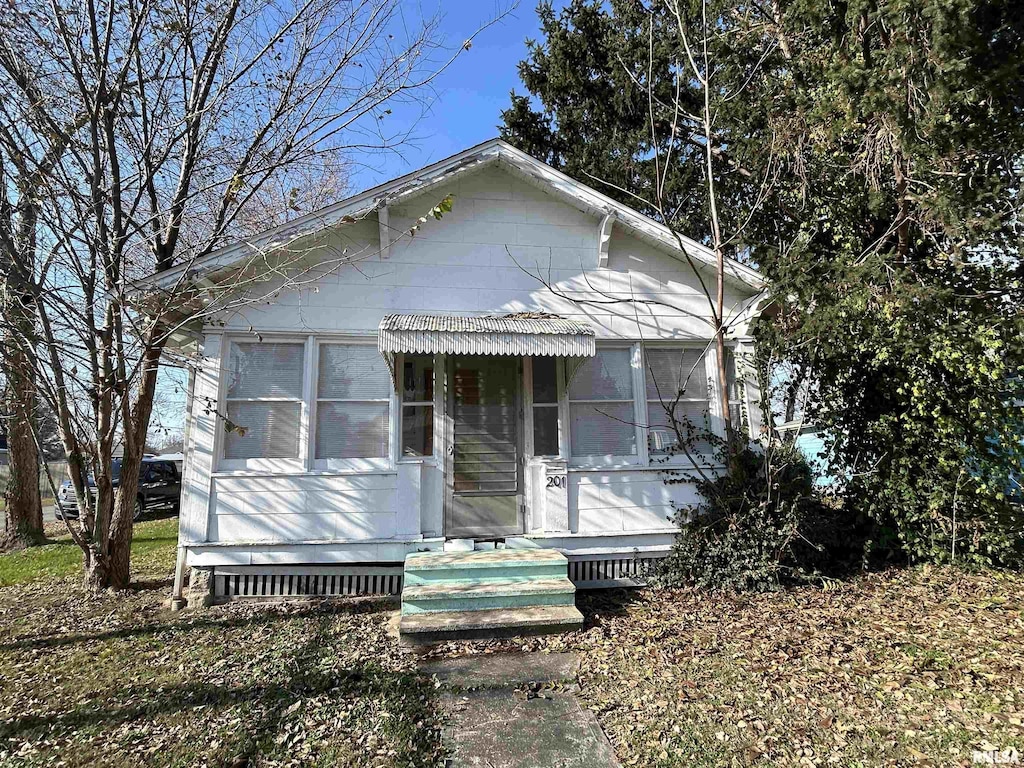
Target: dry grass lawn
pixel 908 667
pixel 119 680
pixel 914 667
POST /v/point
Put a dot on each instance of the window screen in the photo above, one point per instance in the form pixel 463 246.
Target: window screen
pixel 601 406
pixel 418 405
pixel 264 400
pixel 351 430
pixel 263 431
pixel 737 393
pixel 545 407
pixel 353 403
pixel 265 370
pixel 677 399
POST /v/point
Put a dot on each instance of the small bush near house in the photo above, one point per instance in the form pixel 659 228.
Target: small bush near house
pixel 761 523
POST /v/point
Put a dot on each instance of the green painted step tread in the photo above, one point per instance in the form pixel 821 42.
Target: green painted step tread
pixel 490 558
pixel 443 590
pixel 445 622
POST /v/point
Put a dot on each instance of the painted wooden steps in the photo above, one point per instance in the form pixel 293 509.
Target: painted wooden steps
pixel 424 628
pixel 426 567
pixel 463 595
pixel 484 595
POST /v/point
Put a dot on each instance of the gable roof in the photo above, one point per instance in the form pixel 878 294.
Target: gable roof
pixel 493 151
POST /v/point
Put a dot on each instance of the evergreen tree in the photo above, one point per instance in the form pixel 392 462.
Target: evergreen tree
pixel 870 155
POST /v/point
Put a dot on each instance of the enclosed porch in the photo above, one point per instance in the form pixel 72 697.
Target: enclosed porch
pixel 517 431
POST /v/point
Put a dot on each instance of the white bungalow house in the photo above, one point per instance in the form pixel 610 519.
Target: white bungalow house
pixel 481 381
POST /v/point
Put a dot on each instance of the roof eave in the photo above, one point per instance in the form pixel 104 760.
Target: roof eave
pixel 636 223
pixel 417 182
pixel 342 212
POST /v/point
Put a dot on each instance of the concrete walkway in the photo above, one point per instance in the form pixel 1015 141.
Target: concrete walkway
pixel 502 714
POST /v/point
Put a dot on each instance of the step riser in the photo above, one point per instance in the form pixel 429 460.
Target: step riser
pixel 486 603
pixel 525 572
pixel 420 628
pixel 432 638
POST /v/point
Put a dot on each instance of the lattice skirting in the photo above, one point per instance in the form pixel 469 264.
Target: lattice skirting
pixel 282 582
pixel 605 571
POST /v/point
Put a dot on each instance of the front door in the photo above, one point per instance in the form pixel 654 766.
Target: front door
pixel 484 473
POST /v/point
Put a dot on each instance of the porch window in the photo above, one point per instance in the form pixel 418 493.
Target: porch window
pixel 602 421
pixel 264 400
pixel 737 392
pixel 418 405
pixel 677 389
pixel 545 407
pixel 353 397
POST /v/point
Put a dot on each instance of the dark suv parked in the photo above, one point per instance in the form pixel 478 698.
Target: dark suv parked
pixel 159 485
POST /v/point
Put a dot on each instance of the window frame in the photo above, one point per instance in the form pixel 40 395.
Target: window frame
pixel 713 406
pixel 265 464
pixel 529 442
pixel 306 462
pixel 371 464
pixel 739 394
pixel 607 460
pixel 399 434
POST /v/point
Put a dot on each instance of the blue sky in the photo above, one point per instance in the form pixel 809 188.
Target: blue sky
pixel 463 109
pixel 466 105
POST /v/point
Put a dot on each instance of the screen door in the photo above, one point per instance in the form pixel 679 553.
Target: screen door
pixel 484 474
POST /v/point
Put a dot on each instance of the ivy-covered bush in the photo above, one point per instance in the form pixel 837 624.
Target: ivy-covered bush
pixel 759 525
pixel 921 412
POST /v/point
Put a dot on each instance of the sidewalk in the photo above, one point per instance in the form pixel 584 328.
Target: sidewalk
pixel 518 711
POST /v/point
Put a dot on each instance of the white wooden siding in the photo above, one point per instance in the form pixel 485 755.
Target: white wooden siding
pixel 460 265
pixel 465 263
pixel 304 508
pixel 204 442
pixel 624 501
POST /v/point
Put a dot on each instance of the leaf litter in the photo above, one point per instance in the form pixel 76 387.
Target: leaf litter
pixel 915 667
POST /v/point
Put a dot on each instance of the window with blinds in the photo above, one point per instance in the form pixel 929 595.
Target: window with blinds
pixel 264 400
pixel 353 403
pixel 601 419
pixel 676 381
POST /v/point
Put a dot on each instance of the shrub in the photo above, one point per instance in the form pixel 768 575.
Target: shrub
pixel 759 524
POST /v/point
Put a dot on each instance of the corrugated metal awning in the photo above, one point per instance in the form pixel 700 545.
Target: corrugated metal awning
pixel 524 333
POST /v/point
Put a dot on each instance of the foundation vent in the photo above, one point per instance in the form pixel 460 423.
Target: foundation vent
pixel 595 572
pixel 257 583
pixel 289 582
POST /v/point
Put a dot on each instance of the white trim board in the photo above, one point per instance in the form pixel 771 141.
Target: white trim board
pixel 492 151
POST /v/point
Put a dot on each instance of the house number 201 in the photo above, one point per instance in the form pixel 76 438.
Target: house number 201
pixel 556 481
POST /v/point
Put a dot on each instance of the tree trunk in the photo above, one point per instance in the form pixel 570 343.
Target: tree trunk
pixel 23 507
pixel 121 527
pixel 716 229
pixel 723 378
pixel 120 545
pixel 24 511
pixel 95 571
